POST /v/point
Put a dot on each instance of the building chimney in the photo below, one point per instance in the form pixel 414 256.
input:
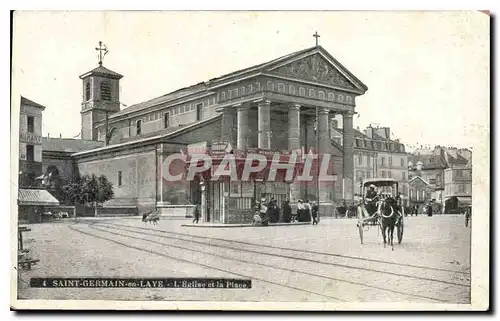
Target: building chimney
pixel 60 135
pixel 48 135
pixel 369 131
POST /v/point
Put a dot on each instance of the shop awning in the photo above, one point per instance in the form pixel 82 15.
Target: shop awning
pixel 37 197
pixel 464 200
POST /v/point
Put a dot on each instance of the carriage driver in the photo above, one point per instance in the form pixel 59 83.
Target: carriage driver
pixel 371 199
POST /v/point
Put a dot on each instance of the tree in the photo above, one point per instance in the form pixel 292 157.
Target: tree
pixel 89 189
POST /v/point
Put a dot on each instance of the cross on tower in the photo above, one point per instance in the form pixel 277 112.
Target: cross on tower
pixel 102 48
pixel 316 35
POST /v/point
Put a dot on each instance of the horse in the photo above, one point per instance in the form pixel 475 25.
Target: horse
pixel 151 217
pixel 388 219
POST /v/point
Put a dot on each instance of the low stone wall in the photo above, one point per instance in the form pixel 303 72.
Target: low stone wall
pixel 242 216
pixel 84 211
pixel 185 211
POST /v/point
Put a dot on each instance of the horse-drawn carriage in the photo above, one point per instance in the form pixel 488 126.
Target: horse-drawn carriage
pixel 384 210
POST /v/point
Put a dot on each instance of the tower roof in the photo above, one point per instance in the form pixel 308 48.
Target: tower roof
pixel 102 71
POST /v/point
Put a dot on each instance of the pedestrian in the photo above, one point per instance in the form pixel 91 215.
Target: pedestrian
pixel 287 211
pixel 196 214
pixel 315 210
pixel 307 211
pixel 300 210
pixel 264 212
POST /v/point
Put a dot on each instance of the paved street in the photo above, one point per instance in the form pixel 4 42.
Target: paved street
pixel 285 263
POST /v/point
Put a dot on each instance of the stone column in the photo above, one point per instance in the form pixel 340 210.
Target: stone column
pixel 293 127
pixel 323 148
pixel 264 110
pixel 228 125
pixel 348 161
pixel 243 127
pixel 294 144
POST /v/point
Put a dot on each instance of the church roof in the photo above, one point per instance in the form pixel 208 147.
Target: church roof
pixel 68 145
pixel 102 71
pixel 26 101
pixel 151 138
pixel 162 99
pixel 246 72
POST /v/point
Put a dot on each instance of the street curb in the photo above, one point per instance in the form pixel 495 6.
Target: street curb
pixel 241 225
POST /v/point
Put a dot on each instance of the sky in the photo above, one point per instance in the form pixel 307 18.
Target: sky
pixel 427 72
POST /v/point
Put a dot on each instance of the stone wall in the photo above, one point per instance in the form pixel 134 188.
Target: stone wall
pixel 138 173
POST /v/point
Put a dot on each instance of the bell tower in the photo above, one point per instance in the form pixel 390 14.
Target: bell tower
pixel 101 96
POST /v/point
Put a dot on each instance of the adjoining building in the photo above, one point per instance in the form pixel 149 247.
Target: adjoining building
pixel 32 198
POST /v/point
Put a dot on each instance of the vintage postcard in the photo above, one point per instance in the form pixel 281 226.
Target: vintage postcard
pixel 250 160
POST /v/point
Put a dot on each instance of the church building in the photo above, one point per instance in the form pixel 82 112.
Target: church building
pixel 283 105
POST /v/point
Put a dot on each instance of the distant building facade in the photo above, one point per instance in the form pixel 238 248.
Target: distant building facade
pixel 377 156
pixel 447 173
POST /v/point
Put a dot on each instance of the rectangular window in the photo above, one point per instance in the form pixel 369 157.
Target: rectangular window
pixel 403 176
pixel 360 159
pixel 368 174
pixel 369 161
pixel 31 124
pixel 199 112
pixel 30 153
pixel 390 161
pixel 402 162
pixel 389 174
pixel 119 178
pixel 461 188
pixel 166 120
pixel 383 174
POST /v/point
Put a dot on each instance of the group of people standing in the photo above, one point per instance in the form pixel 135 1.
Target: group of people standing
pixel 306 211
pixel 271 213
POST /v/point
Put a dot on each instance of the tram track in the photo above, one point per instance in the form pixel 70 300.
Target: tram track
pixel 197 263
pixel 343 256
pixel 101 226
pixel 261 251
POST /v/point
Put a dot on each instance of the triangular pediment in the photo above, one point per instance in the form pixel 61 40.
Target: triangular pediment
pixel 316 68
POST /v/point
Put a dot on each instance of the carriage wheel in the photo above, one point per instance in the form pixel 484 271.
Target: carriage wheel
pixel 360 223
pixel 400 229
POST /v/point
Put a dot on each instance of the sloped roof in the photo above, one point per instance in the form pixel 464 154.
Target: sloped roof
pixel 160 100
pixel 37 197
pixel 68 145
pixel 432 161
pixel 26 101
pixel 418 177
pixel 102 71
pixel 204 86
pixel 165 134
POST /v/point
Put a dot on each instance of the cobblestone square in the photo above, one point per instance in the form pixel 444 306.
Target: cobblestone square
pixel 285 263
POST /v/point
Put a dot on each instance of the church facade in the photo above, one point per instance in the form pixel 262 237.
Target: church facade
pixel 281 106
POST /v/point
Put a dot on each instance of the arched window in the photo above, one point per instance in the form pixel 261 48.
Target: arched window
pixel 281 88
pixel 331 96
pixel 87 91
pixel 321 95
pixel 222 95
pixel 105 90
pixel 302 91
pixel 291 90
pixel 270 85
pixel 349 99
pixel 242 90
pixel 312 93
pixel 340 98
pixel 138 127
